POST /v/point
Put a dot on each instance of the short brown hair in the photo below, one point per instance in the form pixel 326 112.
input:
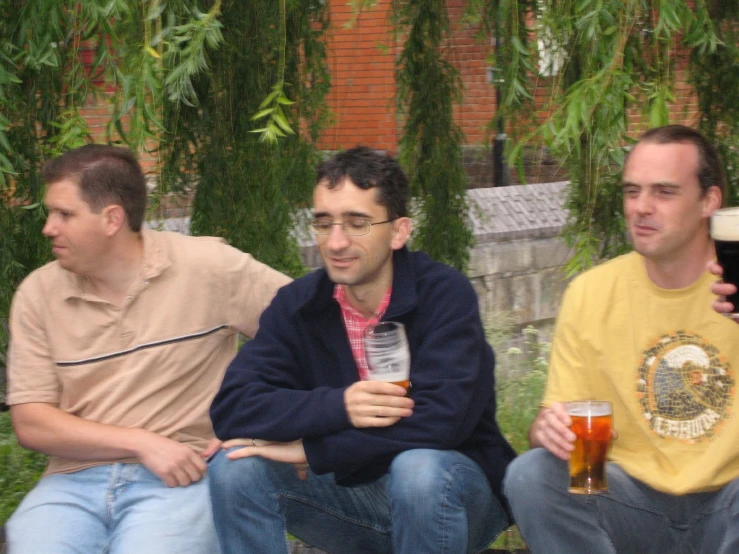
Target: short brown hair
pixel 710 166
pixel 105 175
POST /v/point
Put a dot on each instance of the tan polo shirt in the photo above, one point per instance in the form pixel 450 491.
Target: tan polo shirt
pixel 154 363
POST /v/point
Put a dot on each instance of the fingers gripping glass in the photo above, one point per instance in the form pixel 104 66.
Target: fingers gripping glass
pixel 353 226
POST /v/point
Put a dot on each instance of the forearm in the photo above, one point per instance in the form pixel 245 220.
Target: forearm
pixel 50 430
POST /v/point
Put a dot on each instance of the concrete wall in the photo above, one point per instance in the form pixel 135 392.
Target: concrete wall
pixel 516 263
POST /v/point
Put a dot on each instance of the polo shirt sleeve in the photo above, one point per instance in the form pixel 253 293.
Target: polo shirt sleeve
pixel 32 375
pixel 250 286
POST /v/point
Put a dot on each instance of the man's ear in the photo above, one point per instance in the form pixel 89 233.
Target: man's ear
pixel 115 219
pixel 712 200
pixel 402 228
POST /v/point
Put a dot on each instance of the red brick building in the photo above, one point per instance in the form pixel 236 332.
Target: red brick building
pixel 362 51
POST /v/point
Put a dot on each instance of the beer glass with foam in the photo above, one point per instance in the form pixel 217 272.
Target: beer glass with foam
pixel 387 353
pixel 725 233
pixel 592 423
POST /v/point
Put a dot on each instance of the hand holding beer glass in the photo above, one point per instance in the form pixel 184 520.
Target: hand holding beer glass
pixel 725 233
pixel 387 353
pixel 592 423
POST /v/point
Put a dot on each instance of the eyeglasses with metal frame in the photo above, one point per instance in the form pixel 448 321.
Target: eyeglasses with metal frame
pixel 352 227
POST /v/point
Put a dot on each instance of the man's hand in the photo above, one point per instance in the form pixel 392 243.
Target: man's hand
pixel 376 404
pixel 285 452
pixel 551 430
pixel 175 463
pixel 721 289
pixel 213 447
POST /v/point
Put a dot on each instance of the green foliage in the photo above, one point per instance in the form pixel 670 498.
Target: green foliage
pixel 249 184
pixel 617 57
pixel 185 79
pixel 521 375
pixel 19 469
pixel 715 75
pixel 428 88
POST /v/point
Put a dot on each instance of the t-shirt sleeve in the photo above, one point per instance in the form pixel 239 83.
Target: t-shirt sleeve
pixel 32 375
pixel 251 285
pixel 568 367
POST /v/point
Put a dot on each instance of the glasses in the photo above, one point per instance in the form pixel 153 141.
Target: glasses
pixel 352 227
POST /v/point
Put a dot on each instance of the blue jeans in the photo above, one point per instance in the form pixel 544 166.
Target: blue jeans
pixel 115 509
pixel 631 518
pixel 430 501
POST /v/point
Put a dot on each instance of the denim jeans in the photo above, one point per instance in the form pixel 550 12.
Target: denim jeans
pixel 115 509
pixel 631 518
pixel 430 501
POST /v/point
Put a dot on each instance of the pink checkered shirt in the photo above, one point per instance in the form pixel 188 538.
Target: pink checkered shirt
pixel 355 324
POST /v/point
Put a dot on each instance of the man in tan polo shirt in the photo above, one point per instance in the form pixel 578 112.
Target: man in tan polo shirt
pixel 117 349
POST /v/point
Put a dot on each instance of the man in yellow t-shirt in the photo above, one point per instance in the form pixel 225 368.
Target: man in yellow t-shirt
pixel 639 332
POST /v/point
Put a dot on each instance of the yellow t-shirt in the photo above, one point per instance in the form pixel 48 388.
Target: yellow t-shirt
pixel 665 360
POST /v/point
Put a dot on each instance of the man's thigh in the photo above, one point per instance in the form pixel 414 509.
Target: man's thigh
pixel 637 518
pixel 336 518
pixel 263 498
pixel 147 517
pixel 442 501
pixel 63 514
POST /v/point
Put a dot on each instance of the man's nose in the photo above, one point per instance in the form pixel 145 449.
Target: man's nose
pixel 49 229
pixel 338 238
pixel 644 203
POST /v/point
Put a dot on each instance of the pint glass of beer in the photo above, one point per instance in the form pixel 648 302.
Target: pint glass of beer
pixel 725 233
pixel 592 422
pixel 387 353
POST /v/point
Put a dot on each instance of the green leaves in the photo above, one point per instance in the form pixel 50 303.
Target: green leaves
pixel 431 145
pixel 275 123
pixel 620 61
pixel 186 55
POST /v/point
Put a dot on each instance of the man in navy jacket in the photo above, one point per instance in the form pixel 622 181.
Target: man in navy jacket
pixel 344 463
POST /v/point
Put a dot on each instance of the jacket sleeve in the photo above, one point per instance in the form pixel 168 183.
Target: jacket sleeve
pixel 264 393
pixel 452 384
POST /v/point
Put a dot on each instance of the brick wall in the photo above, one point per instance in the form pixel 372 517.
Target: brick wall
pixel 362 51
pixel 363 88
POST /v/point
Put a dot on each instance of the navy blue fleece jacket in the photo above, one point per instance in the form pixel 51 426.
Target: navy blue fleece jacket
pixel 288 382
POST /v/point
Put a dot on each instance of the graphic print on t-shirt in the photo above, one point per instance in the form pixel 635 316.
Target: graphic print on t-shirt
pixel 685 387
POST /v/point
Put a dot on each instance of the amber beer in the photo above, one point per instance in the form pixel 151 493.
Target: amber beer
pixel 725 233
pixel 387 353
pixel 592 423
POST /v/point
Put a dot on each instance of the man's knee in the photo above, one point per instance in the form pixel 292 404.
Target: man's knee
pixel 530 473
pixel 422 474
pixel 233 476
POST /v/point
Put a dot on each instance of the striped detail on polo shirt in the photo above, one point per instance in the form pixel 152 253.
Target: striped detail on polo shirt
pixel 110 356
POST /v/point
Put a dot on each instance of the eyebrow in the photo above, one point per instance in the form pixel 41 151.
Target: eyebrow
pixel 318 215
pixel 658 184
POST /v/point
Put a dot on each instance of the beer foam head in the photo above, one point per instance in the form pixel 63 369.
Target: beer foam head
pixel 725 224
pixel 589 408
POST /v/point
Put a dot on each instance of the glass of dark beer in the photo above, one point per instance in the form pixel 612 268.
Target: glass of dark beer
pixel 592 423
pixel 725 234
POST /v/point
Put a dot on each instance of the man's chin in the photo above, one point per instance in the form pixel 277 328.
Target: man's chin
pixel 339 277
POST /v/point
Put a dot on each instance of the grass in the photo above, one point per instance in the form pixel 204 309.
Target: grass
pixel 520 388
pixel 19 469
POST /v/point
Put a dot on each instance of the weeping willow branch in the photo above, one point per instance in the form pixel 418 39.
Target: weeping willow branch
pixel 617 56
pixel 431 144
pixel 276 124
